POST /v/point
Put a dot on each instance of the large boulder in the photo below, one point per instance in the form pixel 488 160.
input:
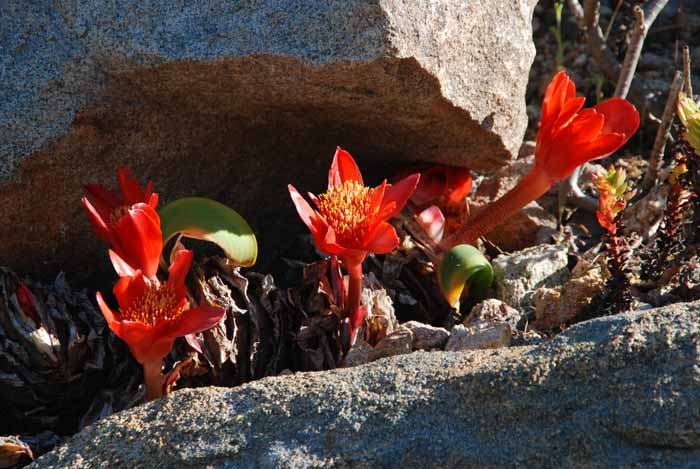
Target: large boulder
pixel 617 391
pixel 234 100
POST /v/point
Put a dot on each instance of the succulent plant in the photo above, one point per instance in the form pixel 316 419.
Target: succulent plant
pixel 60 367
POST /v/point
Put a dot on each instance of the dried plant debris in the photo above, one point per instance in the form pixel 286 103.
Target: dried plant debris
pixel 381 320
pixel 666 249
pixel 14 452
pixel 408 275
pixel 60 368
pixel 266 329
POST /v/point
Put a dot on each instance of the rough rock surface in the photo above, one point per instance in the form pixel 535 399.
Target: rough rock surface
pixel 518 275
pixel 427 337
pixel 617 391
pixel 398 342
pixel 482 336
pixel 493 311
pixel 233 100
pixel 557 306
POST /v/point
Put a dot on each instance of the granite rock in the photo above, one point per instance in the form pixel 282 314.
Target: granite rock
pixel 493 311
pixel 518 275
pixel 615 391
pixel 427 337
pixel 481 335
pixel 398 342
pixel 214 98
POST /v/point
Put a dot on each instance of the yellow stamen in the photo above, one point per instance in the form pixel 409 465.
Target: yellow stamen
pixel 158 303
pixel 348 210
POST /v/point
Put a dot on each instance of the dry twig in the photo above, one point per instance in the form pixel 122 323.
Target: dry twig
pixel 687 85
pixel 656 158
pixel 634 51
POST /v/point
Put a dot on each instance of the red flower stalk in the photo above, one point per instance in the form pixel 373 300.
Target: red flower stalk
pixel 128 221
pixel 350 221
pixel 153 314
pixel 568 137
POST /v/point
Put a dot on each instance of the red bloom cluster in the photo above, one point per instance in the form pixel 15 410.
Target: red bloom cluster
pixel 152 314
pixel 568 137
pixel 350 221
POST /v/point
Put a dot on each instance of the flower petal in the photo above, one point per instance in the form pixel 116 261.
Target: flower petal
pixel 343 169
pixel 568 111
pixel 555 95
pixel 120 266
pixel 129 289
pixel 459 184
pixel 98 224
pixel 432 185
pixel 137 238
pixel 585 127
pixel 104 200
pixel 307 214
pixel 144 344
pixel 107 312
pixel 398 194
pixel 131 190
pixel 194 342
pixel 153 201
pixel 601 147
pixel 178 271
pixel 382 240
pixel 620 117
pixel 377 197
pixel 432 221
pixel 192 321
pixel 328 243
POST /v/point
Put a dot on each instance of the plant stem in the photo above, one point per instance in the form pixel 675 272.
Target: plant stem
pixel 354 297
pixel 153 379
pixel 530 188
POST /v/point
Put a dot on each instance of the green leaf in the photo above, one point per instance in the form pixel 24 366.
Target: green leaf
pixel 464 266
pixel 208 220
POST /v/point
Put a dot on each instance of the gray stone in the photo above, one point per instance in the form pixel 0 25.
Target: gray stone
pixel 481 335
pixel 427 337
pixel 214 97
pixel 359 354
pixel 518 275
pixel 398 342
pixel 493 311
pixel 621 391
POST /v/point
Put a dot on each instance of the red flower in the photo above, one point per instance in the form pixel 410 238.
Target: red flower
pixel 441 184
pixel 152 315
pixel 128 222
pixel 351 219
pixel 569 137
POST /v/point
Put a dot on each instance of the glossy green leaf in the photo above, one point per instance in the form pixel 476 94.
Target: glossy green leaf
pixel 464 266
pixel 208 220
